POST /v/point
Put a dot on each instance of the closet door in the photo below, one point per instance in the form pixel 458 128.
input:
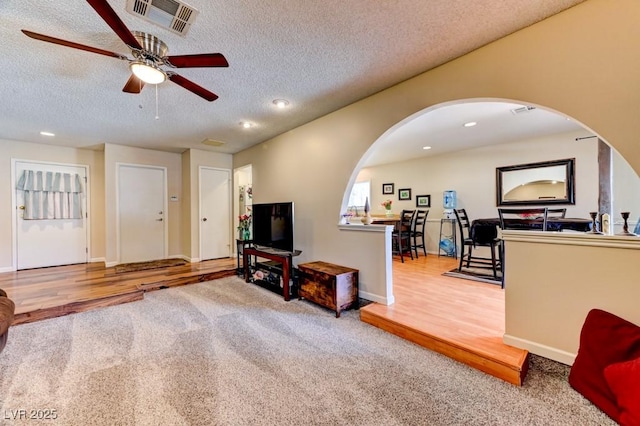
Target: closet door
pixel 142 217
pixel 51 225
pixel 215 213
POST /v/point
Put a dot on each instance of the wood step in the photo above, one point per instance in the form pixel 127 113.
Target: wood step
pixel 509 364
pixel 57 291
pixel 174 282
pixel 74 307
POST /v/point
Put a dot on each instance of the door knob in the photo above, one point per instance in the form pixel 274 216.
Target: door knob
pixel 204 219
pixel 21 207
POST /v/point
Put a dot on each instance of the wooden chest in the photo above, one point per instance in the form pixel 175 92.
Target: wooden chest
pixel 332 286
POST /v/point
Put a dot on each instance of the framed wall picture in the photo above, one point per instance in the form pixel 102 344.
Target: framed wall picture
pixel 404 194
pixel 423 200
pixel 387 188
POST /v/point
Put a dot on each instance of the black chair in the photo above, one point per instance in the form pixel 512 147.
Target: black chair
pixel 561 213
pixel 532 219
pixel 468 243
pixel 524 219
pixel 402 234
pixel 555 214
pixel 417 231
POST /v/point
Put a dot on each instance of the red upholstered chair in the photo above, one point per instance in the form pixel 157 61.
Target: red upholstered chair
pixel 607 344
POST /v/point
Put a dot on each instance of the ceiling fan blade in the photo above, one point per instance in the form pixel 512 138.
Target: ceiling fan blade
pixel 111 18
pixel 61 42
pixel 192 61
pixel 192 87
pixel 133 85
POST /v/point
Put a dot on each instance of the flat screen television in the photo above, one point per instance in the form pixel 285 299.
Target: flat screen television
pixel 273 225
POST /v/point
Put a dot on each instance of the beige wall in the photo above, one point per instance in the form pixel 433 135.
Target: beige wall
pixel 583 62
pixel 185 203
pixel 551 283
pixel 46 153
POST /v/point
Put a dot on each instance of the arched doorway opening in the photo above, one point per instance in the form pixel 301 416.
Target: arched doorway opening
pixel 471 171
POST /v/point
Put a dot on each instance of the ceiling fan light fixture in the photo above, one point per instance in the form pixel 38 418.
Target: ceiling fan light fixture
pixel 148 72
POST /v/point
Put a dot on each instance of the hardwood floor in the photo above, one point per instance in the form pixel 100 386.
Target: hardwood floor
pixel 51 292
pixel 458 318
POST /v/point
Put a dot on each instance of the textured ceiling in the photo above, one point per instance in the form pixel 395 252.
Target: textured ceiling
pixel 319 55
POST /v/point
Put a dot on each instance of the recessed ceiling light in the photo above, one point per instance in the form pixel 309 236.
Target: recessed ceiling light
pixel 246 124
pixel 470 124
pixel 426 147
pixel 281 103
pixel 47 134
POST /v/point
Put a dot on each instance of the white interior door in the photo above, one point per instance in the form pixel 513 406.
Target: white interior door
pixel 142 214
pixel 50 242
pixel 215 213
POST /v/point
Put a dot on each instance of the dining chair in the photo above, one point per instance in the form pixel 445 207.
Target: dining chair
pixel 561 213
pixel 526 218
pixel 468 243
pixel 417 231
pixel 401 234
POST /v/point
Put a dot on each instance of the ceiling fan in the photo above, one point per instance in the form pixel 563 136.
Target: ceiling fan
pixel 149 54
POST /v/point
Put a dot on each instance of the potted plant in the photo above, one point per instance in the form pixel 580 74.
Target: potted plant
pixel 244 227
pixel 387 206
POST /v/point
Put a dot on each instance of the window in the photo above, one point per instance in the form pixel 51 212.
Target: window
pixel 359 193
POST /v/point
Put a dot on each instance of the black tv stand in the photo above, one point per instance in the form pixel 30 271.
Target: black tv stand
pixel 280 262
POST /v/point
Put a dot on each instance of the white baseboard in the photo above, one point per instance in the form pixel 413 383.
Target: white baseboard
pixel 376 298
pixel 540 349
pixel 185 258
pixel 7 269
pixel 98 259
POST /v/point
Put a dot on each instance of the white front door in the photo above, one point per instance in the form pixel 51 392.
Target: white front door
pixel 50 242
pixel 215 213
pixel 142 215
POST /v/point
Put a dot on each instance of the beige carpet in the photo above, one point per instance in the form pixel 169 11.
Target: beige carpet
pixel 227 352
pixel 153 264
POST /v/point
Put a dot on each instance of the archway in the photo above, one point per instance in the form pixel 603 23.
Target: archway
pixel 468 166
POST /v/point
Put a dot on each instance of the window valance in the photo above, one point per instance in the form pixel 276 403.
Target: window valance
pixel 51 195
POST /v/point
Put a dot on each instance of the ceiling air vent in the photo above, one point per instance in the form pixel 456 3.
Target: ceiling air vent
pixel 173 15
pixel 212 142
pixel 522 110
